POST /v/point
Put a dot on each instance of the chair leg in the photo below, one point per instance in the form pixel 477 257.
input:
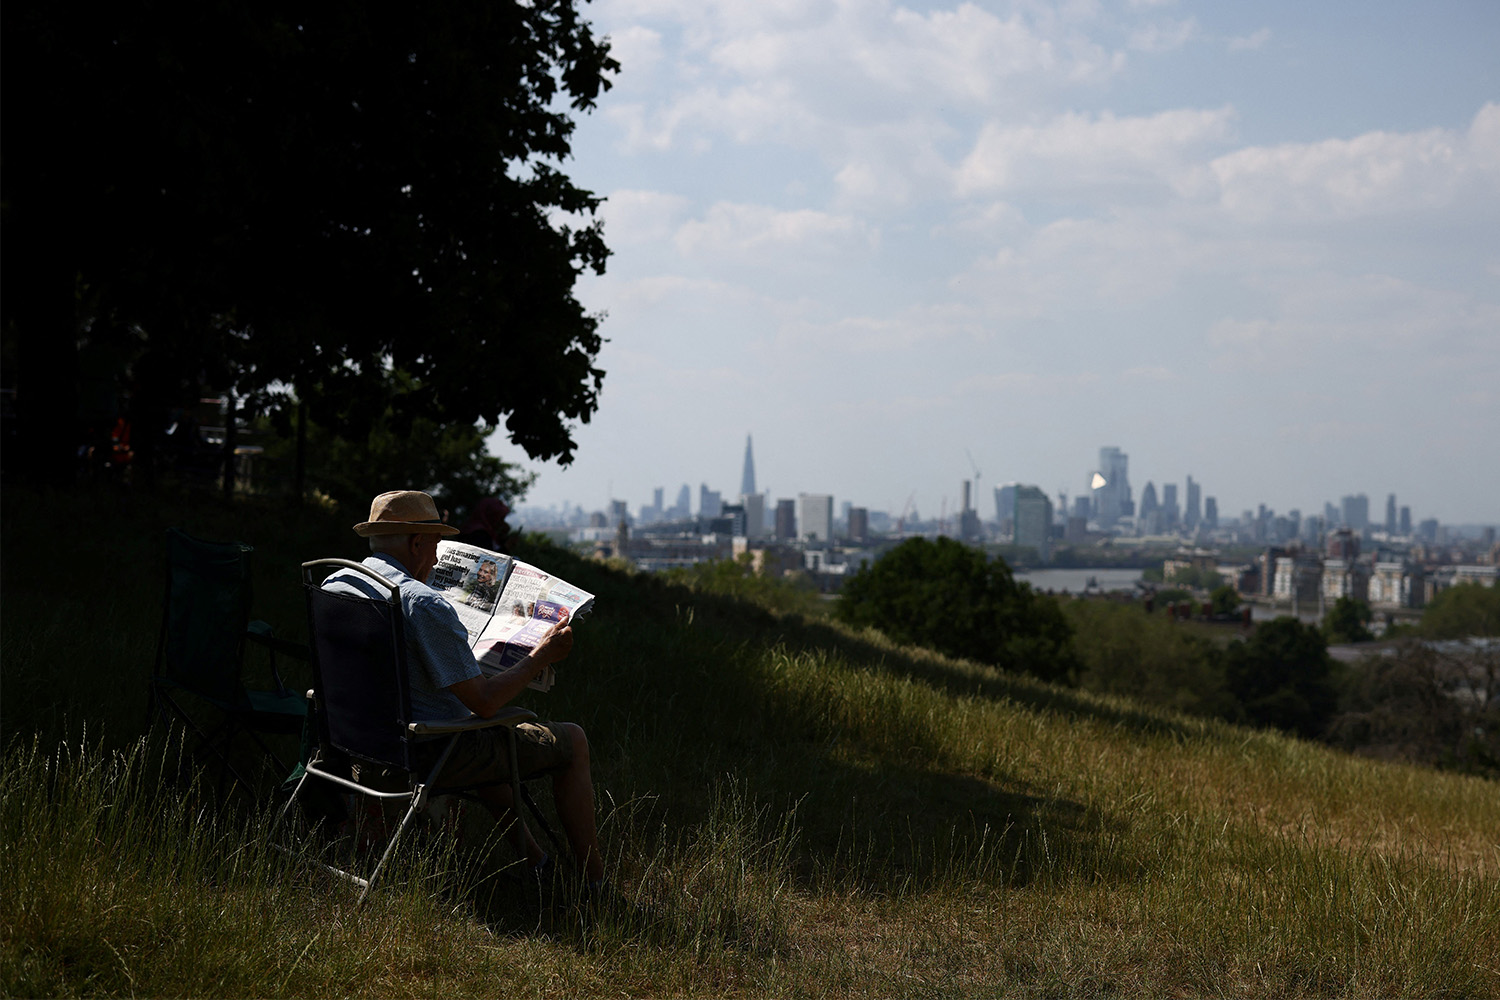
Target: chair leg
pixel 390 848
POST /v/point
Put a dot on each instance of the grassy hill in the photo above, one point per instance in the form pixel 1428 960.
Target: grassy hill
pixel 789 808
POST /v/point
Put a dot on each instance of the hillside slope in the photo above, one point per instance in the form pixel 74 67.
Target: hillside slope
pixel 789 808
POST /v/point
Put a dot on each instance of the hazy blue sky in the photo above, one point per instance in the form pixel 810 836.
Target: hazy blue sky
pixel 1254 243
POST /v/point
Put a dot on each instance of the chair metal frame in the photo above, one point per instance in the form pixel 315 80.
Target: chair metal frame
pixel 339 738
pixel 220 682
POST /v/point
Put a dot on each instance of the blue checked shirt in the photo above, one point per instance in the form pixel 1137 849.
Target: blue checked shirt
pixel 437 646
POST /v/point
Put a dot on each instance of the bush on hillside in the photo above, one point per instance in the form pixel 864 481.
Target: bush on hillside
pixel 1470 609
pixel 954 599
pixel 1283 677
pixel 1124 651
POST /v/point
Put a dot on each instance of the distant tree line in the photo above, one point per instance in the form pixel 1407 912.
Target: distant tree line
pixel 1436 703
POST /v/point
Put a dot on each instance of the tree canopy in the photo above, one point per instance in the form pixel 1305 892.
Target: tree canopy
pixel 1346 621
pixel 357 205
pixel 952 598
pixel 1469 609
pixel 1283 677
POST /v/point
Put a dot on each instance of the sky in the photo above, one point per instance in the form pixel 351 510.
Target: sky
pixel 1257 244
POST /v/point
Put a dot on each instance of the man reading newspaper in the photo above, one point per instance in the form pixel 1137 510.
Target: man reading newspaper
pixel 447 682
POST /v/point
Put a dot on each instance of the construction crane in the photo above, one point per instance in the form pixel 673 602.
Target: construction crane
pixel 901 521
pixel 977 474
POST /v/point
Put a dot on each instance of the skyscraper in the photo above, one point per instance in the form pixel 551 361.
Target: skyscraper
pixel 1356 511
pixel 709 501
pixel 1112 500
pixel 747 478
pixel 1190 516
pixel 1033 519
pixel 1170 512
pixel 1390 513
pixel 815 517
pixel 1211 513
pixel 786 520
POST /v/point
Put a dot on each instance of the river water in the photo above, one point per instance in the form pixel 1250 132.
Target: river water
pixel 1074 581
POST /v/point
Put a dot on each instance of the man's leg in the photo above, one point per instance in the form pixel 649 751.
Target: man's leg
pixel 573 792
pixel 501 804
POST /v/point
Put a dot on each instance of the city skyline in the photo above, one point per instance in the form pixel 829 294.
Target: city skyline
pixel 1239 242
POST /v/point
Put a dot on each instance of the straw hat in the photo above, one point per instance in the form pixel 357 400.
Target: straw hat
pixel 403 512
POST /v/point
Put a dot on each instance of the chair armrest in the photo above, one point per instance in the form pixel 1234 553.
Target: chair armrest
pixel 512 716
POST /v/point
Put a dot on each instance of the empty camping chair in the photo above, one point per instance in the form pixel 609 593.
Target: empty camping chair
pixel 362 706
pixel 200 651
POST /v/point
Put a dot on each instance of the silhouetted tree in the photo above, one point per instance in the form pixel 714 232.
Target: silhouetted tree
pixel 353 205
pixel 1283 677
pixel 952 598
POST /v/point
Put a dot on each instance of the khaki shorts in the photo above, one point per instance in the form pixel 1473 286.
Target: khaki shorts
pixel 483 755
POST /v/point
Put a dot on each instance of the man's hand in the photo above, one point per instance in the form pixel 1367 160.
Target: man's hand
pixel 555 645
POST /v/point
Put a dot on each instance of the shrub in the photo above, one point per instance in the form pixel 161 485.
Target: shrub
pixel 1283 677
pixel 954 599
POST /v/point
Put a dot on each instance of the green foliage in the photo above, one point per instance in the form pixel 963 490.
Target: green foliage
pixel 1197 578
pixel 1469 609
pixel 1346 621
pixel 1224 599
pixel 1283 677
pixel 952 598
pixel 1153 574
pixel 354 205
pixel 448 461
pixel 1170 594
pixel 1124 651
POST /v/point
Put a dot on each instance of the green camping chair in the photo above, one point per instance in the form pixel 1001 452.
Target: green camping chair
pixel 204 627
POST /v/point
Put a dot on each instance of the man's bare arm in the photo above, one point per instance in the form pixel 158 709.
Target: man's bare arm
pixel 488 693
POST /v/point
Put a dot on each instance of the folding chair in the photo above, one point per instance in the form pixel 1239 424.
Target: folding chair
pixel 362 707
pixel 201 649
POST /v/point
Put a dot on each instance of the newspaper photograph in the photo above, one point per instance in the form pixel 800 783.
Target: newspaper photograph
pixel 471 578
pixel 505 605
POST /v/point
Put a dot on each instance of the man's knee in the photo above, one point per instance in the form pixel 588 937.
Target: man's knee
pixel 579 741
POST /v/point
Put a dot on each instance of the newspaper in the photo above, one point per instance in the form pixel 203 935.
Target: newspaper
pixel 505 605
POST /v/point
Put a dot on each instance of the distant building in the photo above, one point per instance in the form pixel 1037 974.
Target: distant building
pixel 1191 516
pixel 709 501
pixel 1005 509
pixel 1171 514
pixel 1113 500
pixel 1390 514
pixel 786 520
pixel 969 528
pixel 683 508
pixel 755 514
pixel 731 521
pixel 1296 579
pixel 1033 518
pixel 1356 512
pixel 1211 513
pixel 1405 525
pixel 815 517
pixel 618 515
pixel 1396 583
pixel 1345 578
pixel 859 524
pixel 1343 544
pixel 747 477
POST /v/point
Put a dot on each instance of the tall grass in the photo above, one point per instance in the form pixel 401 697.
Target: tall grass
pixel 788 808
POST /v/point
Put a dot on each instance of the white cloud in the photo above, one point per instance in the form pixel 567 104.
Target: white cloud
pixel 1164 36
pixel 773 236
pixel 1251 42
pixel 1373 173
pixel 636 217
pixel 1075 150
